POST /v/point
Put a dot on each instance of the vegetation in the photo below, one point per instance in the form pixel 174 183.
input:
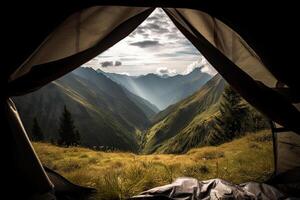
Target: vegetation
pixel 229 124
pixel 118 175
pixel 187 123
pixel 235 118
pixel 36 131
pixel 101 109
pixel 68 135
pixel 213 115
pixel 113 120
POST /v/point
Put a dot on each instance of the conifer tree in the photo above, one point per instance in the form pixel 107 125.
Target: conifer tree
pixel 68 135
pixel 36 131
pixel 230 123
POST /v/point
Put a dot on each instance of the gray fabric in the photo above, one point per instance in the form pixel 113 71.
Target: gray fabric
pixel 191 189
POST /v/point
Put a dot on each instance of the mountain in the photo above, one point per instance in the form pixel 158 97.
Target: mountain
pixel 148 108
pixel 105 113
pixel 162 91
pixel 106 84
pixel 185 124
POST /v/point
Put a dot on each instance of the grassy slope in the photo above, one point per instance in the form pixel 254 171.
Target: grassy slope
pixel 47 103
pixel 119 175
pixel 184 120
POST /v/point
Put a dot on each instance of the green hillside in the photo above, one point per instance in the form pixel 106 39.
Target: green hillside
pixel 185 124
pixel 103 112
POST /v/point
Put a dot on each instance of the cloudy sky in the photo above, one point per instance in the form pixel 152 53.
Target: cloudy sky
pixel 156 46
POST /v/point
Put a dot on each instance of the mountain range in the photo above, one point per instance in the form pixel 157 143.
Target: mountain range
pixel 162 91
pixel 122 112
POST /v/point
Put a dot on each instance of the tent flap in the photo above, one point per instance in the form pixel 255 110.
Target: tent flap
pixel 41 74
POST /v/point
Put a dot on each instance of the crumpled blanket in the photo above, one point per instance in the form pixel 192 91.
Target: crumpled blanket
pixel 191 189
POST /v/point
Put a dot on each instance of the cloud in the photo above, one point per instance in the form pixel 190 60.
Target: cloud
pixel 159 43
pixel 111 63
pixel 153 18
pixel 165 71
pixel 107 64
pixel 146 43
pixel 173 35
pixel 118 63
pixel 152 26
pixel 203 64
pixel 155 27
pixel 166 55
pixel 187 52
pixel 124 73
pixel 140 31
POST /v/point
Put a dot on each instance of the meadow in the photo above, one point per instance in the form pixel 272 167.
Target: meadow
pixel 119 175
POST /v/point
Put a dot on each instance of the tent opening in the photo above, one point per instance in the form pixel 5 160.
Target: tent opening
pixel 144 112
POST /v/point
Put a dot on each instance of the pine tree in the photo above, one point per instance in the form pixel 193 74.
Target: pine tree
pixel 36 131
pixel 67 131
pixel 230 123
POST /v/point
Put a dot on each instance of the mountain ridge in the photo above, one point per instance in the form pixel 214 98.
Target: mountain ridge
pixel 162 91
pixel 102 110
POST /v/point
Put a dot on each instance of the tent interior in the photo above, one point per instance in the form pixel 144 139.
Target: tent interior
pixel 249 45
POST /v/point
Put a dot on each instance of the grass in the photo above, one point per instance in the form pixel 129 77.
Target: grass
pixel 119 175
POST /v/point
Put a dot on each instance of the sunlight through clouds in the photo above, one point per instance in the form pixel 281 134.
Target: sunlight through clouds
pixel 154 45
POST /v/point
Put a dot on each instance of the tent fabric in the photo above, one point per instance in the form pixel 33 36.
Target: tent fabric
pixel 64 189
pixel 287 149
pixel 80 31
pixel 92 30
pixel 31 175
pixel 24 158
pixel 190 189
pixel 228 42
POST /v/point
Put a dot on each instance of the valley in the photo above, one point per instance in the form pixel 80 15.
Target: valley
pixel 128 145
pixel 162 91
pixel 109 113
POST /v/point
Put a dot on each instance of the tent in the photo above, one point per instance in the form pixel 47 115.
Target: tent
pixel 251 45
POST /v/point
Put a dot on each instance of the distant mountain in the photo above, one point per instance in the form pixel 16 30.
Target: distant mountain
pixel 162 91
pixel 185 124
pixel 105 113
pixel 148 108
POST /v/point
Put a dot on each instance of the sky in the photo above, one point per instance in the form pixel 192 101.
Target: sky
pixel 155 46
